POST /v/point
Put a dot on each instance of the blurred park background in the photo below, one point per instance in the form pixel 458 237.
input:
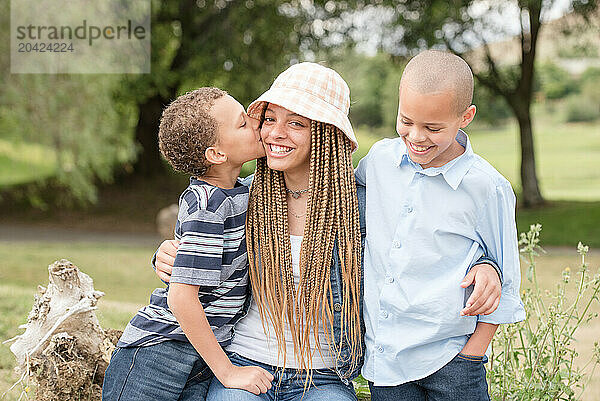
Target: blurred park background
pixel 81 177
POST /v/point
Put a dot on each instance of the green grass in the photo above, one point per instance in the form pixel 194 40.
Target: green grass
pixel 22 163
pixel 567 157
pixel 123 273
pixel 124 269
pixel 565 223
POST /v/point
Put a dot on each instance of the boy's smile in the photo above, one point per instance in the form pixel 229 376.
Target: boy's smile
pixel 428 124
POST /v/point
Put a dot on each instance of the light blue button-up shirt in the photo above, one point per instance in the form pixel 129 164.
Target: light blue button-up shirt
pixel 424 229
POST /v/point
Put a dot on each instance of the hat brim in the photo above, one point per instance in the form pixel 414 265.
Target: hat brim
pixel 319 110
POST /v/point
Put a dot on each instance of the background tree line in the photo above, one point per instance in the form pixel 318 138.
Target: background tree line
pixel 101 126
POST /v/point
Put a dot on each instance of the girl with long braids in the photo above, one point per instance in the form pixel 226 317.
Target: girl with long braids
pixel 304 203
pixel 305 233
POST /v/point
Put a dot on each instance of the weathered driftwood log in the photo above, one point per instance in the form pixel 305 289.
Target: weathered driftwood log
pixel 63 348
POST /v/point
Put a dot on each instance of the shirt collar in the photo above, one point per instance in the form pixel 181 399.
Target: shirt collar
pixel 453 171
pixel 239 186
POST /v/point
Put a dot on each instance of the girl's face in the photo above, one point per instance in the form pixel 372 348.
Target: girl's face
pixel 286 138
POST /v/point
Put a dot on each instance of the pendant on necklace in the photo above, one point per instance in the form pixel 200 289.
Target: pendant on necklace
pixel 296 194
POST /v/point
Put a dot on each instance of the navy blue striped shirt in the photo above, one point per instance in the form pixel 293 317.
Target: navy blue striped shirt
pixel 212 255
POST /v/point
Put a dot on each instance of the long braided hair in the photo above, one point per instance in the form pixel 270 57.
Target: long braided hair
pixel 332 214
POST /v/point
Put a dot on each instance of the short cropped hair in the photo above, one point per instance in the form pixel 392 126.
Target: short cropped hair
pixel 438 71
pixel 187 129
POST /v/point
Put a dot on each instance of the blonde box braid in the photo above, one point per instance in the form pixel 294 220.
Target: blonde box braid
pixel 332 214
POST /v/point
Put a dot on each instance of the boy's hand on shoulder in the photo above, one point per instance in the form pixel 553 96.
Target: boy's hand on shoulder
pixel 250 378
pixel 486 294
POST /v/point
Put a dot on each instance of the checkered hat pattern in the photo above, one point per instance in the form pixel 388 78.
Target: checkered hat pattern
pixel 313 91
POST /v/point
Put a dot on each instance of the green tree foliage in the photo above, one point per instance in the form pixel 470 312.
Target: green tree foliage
pixel 74 117
pixel 579 109
pixel 239 46
pixel 491 109
pixel 467 27
pixel 590 88
pixel 554 82
pixel 373 82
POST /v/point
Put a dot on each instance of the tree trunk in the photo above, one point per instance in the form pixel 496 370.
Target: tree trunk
pixel 532 196
pixel 149 162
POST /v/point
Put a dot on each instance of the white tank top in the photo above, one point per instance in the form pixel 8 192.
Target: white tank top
pixel 251 342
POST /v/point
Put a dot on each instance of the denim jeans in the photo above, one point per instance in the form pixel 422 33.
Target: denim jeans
pixel 171 370
pixel 288 385
pixel 463 378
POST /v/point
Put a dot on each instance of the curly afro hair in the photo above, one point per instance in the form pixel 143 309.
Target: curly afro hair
pixel 187 129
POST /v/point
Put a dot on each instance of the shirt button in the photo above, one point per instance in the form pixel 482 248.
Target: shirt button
pixel 389 279
pixel 396 244
pixel 384 314
pixel 337 307
pixel 380 348
pixel 409 209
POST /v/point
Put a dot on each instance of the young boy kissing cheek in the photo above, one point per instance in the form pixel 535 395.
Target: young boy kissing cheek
pixel 428 124
pixel 238 133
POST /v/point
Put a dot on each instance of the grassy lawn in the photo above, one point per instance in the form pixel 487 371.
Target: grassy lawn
pixel 123 273
pixel 565 223
pixel 567 157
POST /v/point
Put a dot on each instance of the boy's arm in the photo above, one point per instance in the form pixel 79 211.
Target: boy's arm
pixel 184 303
pixel 480 339
pixel 197 266
pixel 498 236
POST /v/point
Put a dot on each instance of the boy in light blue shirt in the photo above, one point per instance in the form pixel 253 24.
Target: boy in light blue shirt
pixel 433 208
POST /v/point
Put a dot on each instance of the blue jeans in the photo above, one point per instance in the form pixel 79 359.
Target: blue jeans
pixel 463 378
pixel 288 385
pixel 171 370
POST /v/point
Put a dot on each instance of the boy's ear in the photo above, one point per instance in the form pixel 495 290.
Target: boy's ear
pixel 214 155
pixel 468 116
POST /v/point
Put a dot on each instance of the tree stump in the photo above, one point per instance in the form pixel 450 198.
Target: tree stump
pixel 64 349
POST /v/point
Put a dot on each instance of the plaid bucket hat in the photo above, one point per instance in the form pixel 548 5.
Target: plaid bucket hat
pixel 312 91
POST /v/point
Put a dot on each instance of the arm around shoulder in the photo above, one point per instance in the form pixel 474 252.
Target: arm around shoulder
pixel 497 232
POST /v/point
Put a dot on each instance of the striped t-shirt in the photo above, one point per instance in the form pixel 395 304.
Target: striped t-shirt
pixel 212 255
